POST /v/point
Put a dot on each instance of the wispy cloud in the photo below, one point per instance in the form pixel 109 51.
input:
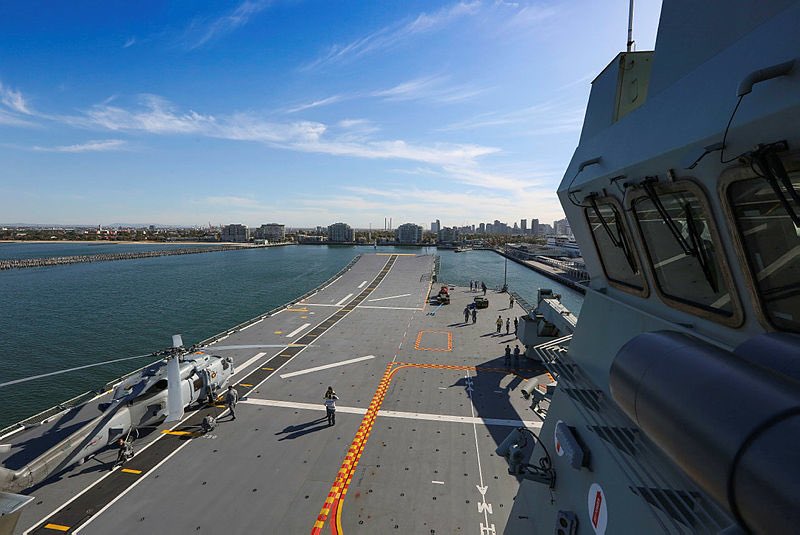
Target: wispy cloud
pixel 102 145
pixel 551 117
pixel 317 103
pixel 129 42
pixel 202 32
pixel 431 88
pixel 156 115
pixel 14 100
pixel 390 36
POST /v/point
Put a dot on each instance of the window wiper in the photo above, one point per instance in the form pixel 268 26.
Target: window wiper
pixel 772 170
pixel 699 248
pixel 619 240
pixel 650 191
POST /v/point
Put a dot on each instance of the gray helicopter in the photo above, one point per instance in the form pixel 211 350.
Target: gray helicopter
pixel 158 393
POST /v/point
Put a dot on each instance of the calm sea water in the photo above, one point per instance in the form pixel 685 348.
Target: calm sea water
pixel 65 316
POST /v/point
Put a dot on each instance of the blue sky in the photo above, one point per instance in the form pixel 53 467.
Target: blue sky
pixel 299 112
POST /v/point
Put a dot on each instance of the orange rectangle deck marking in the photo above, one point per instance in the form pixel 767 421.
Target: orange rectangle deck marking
pixel 245 384
pixel 57 527
pixel 131 471
pixel 419 346
pixel 268 369
pixel 177 433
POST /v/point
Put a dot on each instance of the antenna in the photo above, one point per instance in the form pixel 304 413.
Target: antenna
pixel 630 26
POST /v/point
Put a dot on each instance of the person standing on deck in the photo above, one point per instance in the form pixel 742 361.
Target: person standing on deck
pixel 483 287
pixel 511 301
pixel 474 315
pixel 499 324
pixel 516 356
pixel 231 398
pixel 330 405
pixel 516 326
pixel 508 325
pixel 507 358
pixel 466 314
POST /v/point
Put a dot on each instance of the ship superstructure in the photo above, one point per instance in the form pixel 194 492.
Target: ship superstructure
pixel 678 407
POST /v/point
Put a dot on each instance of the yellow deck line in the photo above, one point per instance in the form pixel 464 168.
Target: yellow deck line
pixel 178 433
pixel 57 527
pixel 131 471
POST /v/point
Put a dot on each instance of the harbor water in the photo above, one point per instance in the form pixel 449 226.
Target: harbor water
pixel 67 316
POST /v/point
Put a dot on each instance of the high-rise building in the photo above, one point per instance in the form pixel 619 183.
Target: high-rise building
pixel 535 227
pixel 341 233
pixel 482 228
pixel 523 225
pixel 436 226
pixel 447 235
pixel 235 233
pixel 408 233
pixel 562 228
pixel 273 232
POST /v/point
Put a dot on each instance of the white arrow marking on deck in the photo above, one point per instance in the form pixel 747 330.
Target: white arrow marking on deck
pixel 390 297
pixel 362 284
pixel 484 507
pixel 326 366
pixel 345 298
pixel 296 331
pixel 500 422
pixel 438 482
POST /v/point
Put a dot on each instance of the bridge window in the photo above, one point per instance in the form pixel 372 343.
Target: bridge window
pixel 614 245
pixel 681 243
pixel 771 243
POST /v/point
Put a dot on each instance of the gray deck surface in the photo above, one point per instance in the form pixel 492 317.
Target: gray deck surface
pixel 422 464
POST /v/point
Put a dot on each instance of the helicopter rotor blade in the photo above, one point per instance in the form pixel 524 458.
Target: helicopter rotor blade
pixel 59 372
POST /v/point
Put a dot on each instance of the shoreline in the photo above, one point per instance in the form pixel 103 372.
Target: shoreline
pixel 118 242
pixel 544 269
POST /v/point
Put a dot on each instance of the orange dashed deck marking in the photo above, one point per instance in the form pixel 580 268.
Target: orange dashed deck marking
pixel 344 476
pixel 418 343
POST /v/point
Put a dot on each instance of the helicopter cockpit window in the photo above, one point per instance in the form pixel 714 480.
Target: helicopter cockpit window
pixel 771 242
pixel 614 245
pixel 677 233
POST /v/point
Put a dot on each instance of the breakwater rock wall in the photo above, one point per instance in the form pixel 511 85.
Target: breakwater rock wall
pixel 22 263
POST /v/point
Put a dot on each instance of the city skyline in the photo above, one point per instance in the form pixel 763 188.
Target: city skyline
pixel 185 114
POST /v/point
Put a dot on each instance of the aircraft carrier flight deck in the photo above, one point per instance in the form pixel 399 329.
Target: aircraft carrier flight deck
pixel 424 400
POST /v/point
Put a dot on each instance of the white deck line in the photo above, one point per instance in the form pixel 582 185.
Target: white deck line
pixel 390 297
pixel 254 323
pixel 397 414
pixel 362 284
pixel 298 330
pixel 389 308
pixel 326 366
pixel 343 299
pixel 248 362
pixel 321 305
